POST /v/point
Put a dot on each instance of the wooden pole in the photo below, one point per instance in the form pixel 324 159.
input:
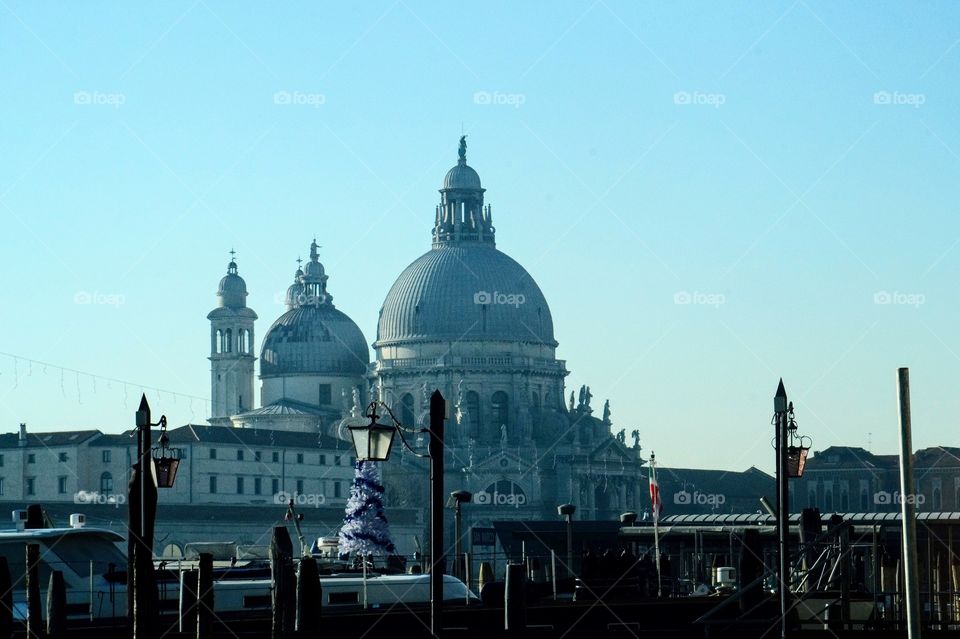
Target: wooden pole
pixel 437 552
pixel 205 603
pixel 34 621
pixel 189 580
pixel 56 604
pixel 281 554
pixel 514 600
pixel 309 597
pixel 909 521
pixel 6 600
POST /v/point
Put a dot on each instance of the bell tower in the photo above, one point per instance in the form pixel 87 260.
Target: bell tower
pixel 231 349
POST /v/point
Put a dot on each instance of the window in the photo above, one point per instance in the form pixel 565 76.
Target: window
pixel 323 460
pixel 239 485
pixel 62 457
pixel 276 457
pixel 31 458
pixel 407 417
pixel 324 395
pixel 1 485
pixel 336 489
pixel 336 460
pixel 256 485
pixel 275 486
pixel 105 456
pixel 473 414
pixel 256 455
pixel 62 485
pixel 213 453
pixel 299 458
pixel 299 486
pixel 213 484
pixel 1 461
pixel 240 455
pixel 106 483
pixel 31 486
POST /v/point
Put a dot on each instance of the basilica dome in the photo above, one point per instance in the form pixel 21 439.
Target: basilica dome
pixel 468 291
pixel 313 337
pixel 464 289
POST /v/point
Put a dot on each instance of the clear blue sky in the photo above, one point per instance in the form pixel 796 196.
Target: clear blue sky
pixel 780 162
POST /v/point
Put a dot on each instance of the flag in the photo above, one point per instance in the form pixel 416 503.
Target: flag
pixel 656 504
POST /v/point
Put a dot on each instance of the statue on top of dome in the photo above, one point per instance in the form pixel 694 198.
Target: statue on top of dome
pixel 462 151
pixel 606 412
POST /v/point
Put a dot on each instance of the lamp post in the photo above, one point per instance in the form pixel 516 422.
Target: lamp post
pixel 791 452
pixel 155 468
pixel 567 510
pixel 372 442
pixel 457 498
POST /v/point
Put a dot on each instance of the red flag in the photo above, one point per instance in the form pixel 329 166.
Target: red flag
pixel 656 504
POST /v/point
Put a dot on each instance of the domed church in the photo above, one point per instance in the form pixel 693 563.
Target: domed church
pixel 464 318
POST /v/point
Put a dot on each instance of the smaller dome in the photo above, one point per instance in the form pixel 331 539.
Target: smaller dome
pixel 232 291
pixel 314 340
pixel 462 176
pixel 314 269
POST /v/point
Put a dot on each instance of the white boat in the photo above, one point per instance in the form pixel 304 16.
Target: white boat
pixel 94 571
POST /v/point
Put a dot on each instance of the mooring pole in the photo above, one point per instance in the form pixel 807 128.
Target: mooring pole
pixel 437 559
pixel 781 408
pixel 911 580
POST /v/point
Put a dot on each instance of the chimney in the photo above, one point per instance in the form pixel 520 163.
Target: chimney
pixel 22 441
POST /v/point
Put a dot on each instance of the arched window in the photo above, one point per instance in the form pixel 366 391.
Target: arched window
pixel 937 499
pixel 864 501
pixel 106 483
pixel 500 408
pixel 242 340
pixel 473 414
pixel 228 341
pixel 407 416
pixel 218 341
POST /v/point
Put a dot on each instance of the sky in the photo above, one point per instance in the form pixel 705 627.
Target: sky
pixel 711 196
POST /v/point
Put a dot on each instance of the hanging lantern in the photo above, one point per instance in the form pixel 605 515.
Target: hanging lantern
pixel 796 460
pixel 166 460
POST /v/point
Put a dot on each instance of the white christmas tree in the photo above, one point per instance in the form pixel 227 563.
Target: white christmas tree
pixel 365 529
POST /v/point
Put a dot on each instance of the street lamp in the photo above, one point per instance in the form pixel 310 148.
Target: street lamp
pixel 791 452
pixel 166 460
pixel 372 442
pixel 567 510
pixel 457 498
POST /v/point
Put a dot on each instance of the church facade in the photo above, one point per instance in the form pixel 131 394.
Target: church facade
pixel 464 318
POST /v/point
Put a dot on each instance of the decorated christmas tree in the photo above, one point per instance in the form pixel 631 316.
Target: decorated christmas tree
pixel 365 529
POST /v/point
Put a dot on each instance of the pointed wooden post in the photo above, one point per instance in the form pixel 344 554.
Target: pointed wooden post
pixel 908 513
pixel 56 604
pixel 309 597
pixel 6 600
pixel 281 556
pixel 34 620
pixel 437 549
pixel 205 603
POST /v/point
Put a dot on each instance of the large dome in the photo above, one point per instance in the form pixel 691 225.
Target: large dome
pixel 314 339
pixel 465 292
